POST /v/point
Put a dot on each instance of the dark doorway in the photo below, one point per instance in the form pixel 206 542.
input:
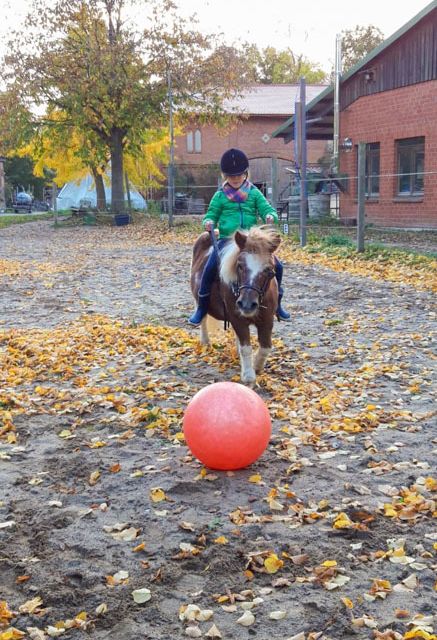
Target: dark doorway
pixel 262 186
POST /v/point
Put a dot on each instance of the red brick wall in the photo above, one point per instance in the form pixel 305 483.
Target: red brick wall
pixel 386 117
pixel 247 136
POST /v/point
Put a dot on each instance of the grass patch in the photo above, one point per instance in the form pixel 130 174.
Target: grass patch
pixel 344 246
pixel 336 240
pixel 21 218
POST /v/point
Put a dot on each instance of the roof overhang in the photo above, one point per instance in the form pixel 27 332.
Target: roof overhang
pixel 319 119
pixel 320 111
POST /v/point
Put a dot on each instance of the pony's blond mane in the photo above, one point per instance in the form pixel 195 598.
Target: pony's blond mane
pixel 260 240
pixel 228 262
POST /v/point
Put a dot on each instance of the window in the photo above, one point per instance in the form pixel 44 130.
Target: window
pixel 194 141
pixel 411 164
pixel 197 141
pixel 372 170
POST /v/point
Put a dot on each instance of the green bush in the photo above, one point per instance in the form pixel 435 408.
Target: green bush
pixel 336 240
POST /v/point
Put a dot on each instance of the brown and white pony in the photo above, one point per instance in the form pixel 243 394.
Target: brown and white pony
pixel 246 292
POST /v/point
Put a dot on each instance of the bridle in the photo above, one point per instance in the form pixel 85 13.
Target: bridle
pixel 237 287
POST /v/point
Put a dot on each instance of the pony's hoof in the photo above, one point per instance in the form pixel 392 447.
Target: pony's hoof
pixel 249 379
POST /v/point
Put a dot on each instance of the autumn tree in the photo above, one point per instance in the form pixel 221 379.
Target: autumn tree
pixel 272 66
pixel 357 43
pixel 66 151
pixel 111 80
pixel 16 121
pixel 144 169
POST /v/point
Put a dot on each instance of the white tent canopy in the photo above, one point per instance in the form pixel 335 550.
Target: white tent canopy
pixel 72 193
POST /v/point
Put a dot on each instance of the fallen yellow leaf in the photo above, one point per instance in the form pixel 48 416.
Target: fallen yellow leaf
pixel 272 563
pixel 348 603
pixel 157 494
pixel 11 634
pixel 419 633
pixel 342 521
pixel 94 478
pixel 5 613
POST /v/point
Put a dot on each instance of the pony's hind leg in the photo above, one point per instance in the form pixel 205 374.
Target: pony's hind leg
pixel 204 333
pixel 260 358
pixel 264 349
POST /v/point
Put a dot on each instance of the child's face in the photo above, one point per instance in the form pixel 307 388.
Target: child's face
pixel 236 181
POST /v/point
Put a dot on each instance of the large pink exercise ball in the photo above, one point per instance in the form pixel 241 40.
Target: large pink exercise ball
pixel 227 426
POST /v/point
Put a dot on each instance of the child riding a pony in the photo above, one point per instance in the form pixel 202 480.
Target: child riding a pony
pixel 238 204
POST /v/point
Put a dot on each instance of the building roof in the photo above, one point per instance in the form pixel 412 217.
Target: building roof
pixel 320 109
pixel 271 99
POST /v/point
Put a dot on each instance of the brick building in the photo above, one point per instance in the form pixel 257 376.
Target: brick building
pixel 263 108
pixel 389 102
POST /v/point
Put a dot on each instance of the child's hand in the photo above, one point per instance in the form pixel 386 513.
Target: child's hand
pixel 209 225
pixel 269 219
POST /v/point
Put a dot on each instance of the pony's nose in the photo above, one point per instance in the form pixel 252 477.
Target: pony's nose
pixel 247 307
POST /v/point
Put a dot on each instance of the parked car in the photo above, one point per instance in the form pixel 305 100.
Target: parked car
pixel 39 205
pixel 22 202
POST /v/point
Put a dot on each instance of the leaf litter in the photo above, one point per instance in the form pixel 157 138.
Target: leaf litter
pixel 107 522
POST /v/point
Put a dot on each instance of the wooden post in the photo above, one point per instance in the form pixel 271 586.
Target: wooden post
pixel 54 203
pixel 301 105
pixel 361 195
pixel 170 170
pixel 274 182
pixel 129 204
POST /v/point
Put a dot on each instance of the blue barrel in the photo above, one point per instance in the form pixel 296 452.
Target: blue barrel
pixel 121 219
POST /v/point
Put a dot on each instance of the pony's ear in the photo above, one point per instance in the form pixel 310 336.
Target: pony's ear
pixel 240 239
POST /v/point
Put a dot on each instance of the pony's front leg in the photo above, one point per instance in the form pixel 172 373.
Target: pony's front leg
pixel 248 375
pixel 265 346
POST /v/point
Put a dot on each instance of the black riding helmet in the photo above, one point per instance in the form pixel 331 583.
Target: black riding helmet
pixel 234 162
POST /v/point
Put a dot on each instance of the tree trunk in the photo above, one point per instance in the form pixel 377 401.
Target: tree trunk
pixel 117 175
pixel 100 189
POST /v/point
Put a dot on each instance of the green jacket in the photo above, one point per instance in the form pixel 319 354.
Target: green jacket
pixel 230 216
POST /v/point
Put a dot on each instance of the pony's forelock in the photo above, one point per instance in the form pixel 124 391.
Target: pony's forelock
pixel 265 239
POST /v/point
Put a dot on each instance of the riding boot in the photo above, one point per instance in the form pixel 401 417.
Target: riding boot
pixel 201 311
pixel 281 314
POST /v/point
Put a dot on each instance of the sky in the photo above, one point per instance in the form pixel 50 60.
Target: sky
pixel 308 27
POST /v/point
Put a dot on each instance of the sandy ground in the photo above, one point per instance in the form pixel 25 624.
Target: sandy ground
pixel 332 527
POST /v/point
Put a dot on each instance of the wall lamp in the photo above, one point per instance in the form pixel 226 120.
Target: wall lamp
pixel 347 144
pixel 368 74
